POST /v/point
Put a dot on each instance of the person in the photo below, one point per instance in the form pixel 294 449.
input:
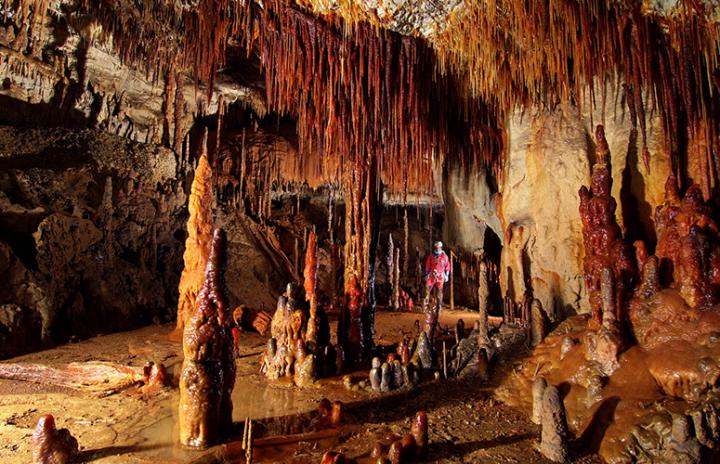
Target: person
pixel 437 272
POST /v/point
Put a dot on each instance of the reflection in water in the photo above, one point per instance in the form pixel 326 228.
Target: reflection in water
pixel 260 400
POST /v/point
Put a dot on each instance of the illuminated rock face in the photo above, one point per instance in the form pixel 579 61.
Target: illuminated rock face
pixel 199 233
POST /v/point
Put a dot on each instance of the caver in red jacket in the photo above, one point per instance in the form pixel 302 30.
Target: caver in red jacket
pixel 437 269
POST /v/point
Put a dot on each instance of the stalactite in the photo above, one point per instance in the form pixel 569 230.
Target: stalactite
pixel 549 51
pixel 406 244
pixel 327 78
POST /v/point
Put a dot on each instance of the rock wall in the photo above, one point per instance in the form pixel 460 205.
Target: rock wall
pixel 535 209
pixel 91 230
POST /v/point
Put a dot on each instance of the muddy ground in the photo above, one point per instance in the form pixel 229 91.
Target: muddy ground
pixel 466 424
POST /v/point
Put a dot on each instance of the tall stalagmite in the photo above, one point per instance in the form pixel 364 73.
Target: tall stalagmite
pixel 208 370
pixel 310 275
pixel 604 246
pixel 199 234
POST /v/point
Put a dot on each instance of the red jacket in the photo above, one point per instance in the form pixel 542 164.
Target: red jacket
pixel 437 269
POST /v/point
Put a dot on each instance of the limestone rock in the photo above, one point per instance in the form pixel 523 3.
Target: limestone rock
pixel 538 391
pixel 199 231
pixel 305 371
pixel 423 356
pixel 554 445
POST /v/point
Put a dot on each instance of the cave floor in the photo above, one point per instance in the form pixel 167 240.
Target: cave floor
pixel 466 424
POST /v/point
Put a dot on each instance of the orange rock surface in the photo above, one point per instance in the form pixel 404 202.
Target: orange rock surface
pixel 197 244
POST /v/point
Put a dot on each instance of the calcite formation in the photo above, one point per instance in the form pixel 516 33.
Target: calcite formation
pixel 199 234
pixel 604 246
pixel 52 445
pixel 688 245
pixel 554 440
pixel 208 370
pixel 310 287
pixel 300 339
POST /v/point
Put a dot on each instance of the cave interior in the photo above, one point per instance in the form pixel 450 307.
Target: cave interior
pixel 461 232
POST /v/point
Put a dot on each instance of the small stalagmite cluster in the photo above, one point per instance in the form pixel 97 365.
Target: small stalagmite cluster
pixel 300 346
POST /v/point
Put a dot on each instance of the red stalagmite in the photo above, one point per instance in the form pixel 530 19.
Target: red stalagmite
pixel 604 246
pixel 688 245
pixel 310 275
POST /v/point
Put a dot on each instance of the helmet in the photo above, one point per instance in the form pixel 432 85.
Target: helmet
pixel 438 244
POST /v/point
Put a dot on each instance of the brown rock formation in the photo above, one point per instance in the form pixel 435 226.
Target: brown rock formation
pixel 554 441
pixel 605 345
pixel 104 252
pixel 420 433
pixel 53 446
pixel 199 233
pixel 688 245
pixel 604 247
pixel 208 371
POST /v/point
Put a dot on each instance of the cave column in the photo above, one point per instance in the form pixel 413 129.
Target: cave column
pixel 363 199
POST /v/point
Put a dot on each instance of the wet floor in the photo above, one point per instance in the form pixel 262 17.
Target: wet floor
pixel 466 424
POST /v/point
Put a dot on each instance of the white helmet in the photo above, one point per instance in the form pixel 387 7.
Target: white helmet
pixel 438 244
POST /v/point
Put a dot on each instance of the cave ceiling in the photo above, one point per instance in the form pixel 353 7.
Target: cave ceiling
pixel 472 64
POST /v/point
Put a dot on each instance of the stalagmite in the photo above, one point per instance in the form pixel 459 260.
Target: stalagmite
pixel 423 352
pixel 452 281
pixel 483 294
pixel 483 363
pixel 538 390
pixel 650 283
pixel 396 282
pixel 420 433
pixel 375 374
pixel 390 268
pixel 537 322
pixel 604 246
pixel 385 377
pixel 688 246
pixel 208 370
pixel 199 235
pixel 53 446
pixel 554 440
pixel 406 245
pixel 331 211
pixel 310 285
